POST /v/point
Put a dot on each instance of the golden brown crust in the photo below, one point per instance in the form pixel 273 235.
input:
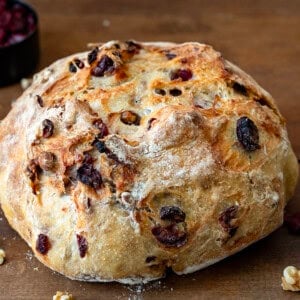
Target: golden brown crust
pixel 120 162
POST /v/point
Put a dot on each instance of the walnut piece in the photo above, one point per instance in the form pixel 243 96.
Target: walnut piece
pixel 291 279
pixel 25 83
pixel 62 296
pixel 2 256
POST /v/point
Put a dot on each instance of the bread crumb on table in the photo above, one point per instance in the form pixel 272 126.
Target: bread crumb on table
pixel 291 279
pixel 2 256
pixel 62 296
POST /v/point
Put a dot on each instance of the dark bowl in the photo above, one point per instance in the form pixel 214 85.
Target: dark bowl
pixel 20 59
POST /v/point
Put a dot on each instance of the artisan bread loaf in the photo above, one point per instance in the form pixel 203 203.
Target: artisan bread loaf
pixel 133 157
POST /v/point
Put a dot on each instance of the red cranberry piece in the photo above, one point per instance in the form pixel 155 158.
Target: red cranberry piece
pixel 150 259
pixel 18 8
pixel 175 92
pixel 172 213
pixel 33 170
pixel 39 100
pixel 102 128
pixel 226 217
pixel 112 156
pixel 88 203
pixel 43 244
pixel 183 74
pixel 30 23
pixel 5 18
pixel 19 19
pixel 293 222
pixel 92 56
pixel 170 235
pixel 133 47
pixel 104 66
pixel 18 24
pixel 170 56
pixel 88 175
pixel 150 121
pixel 100 145
pixel 48 128
pixel 239 88
pixel 88 159
pixel 82 245
pixel 72 68
pixel 160 92
pixel 247 134
pixel 79 63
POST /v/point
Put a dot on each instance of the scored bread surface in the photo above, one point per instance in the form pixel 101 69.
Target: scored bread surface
pixel 118 163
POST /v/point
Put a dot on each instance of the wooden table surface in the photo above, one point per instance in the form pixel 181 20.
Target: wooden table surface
pixel 262 37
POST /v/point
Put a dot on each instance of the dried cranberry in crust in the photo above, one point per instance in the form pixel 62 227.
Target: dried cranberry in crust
pixel 88 159
pixel 184 60
pixel 240 88
pixel 130 118
pixel 183 74
pixel 263 102
pixel 79 63
pixel 104 66
pixel 133 47
pixel 32 170
pixel 92 56
pixel 72 68
pixel 160 92
pixel 102 128
pixel 150 259
pixel 150 121
pixel 293 222
pixel 82 245
pixel 226 217
pixel 100 145
pixel 175 92
pixel 88 175
pixel 39 100
pixel 170 55
pixel 172 213
pixel 48 128
pixel 112 156
pixel 88 203
pixel 247 134
pixel 170 235
pixel 43 244
pixel 117 53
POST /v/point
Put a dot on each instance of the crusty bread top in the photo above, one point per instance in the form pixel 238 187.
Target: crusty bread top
pixel 102 140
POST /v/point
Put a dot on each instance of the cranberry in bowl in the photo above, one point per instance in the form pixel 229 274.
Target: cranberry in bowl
pixel 19 42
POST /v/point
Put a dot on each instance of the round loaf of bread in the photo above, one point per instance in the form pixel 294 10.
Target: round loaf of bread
pixel 136 157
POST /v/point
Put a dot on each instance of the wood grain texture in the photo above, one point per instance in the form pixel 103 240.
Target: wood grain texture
pixel 263 38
